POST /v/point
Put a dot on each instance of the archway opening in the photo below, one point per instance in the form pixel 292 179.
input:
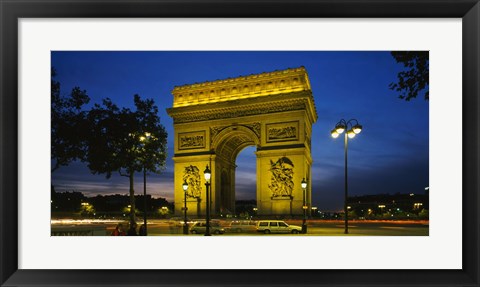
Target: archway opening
pixel 246 182
pixel 229 144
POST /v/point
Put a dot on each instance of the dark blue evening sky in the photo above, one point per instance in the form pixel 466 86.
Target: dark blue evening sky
pixel 389 156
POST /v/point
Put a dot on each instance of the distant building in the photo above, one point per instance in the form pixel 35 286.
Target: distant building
pixel 116 204
pixel 384 205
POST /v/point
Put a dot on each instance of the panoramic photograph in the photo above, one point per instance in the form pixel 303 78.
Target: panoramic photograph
pixel 239 143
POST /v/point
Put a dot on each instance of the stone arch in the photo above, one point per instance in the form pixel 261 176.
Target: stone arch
pixel 216 126
pixel 227 144
pixel 233 139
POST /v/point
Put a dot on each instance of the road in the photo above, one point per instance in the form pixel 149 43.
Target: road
pixel 315 228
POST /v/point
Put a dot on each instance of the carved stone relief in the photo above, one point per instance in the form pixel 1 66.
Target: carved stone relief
pixel 191 140
pixel 281 184
pixel 238 112
pixel 191 176
pixel 282 132
pixel 255 127
pixel 214 132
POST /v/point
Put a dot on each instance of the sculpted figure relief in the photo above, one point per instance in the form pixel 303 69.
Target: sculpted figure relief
pixel 282 177
pixel 191 141
pixel 192 177
pixel 282 133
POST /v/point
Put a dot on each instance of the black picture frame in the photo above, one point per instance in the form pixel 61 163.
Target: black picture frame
pixel 11 11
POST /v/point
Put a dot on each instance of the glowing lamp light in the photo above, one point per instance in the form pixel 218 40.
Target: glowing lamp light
pixel 357 128
pixel 147 134
pixel 304 184
pixel 340 128
pixel 207 174
pixel 351 134
pixel 142 138
pixel 185 186
pixel 334 134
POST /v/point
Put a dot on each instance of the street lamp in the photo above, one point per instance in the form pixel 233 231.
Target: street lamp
pixel 305 207
pixel 381 206
pixel 351 131
pixel 185 226
pixel 145 139
pixel 207 175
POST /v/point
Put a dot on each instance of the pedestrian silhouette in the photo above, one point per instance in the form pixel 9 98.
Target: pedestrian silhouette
pixel 132 231
pixel 142 231
pixel 118 230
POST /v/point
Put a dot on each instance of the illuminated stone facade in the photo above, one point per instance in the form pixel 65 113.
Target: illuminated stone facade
pixel 214 121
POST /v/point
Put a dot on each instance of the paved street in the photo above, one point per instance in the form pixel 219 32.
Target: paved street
pixel 315 228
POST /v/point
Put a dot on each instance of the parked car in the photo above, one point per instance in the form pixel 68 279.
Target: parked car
pixel 201 227
pixel 243 226
pixel 277 226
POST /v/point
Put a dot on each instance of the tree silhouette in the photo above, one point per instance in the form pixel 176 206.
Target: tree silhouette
pixel 415 78
pixel 68 124
pixel 126 141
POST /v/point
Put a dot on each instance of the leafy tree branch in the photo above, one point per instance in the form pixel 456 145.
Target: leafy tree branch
pixel 68 124
pixel 414 79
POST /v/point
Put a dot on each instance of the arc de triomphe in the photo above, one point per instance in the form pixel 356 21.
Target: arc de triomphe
pixel 214 121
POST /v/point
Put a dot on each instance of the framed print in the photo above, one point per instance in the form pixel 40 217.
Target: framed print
pixel 226 76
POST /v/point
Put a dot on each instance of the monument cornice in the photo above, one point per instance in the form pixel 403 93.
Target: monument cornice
pixel 252 86
pixel 246 107
pixel 241 79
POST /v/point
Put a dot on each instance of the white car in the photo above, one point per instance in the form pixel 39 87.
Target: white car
pixel 277 226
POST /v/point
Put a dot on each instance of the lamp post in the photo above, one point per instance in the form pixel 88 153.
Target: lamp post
pixel 207 175
pixel 381 206
pixel 145 139
pixel 351 131
pixel 305 207
pixel 185 226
